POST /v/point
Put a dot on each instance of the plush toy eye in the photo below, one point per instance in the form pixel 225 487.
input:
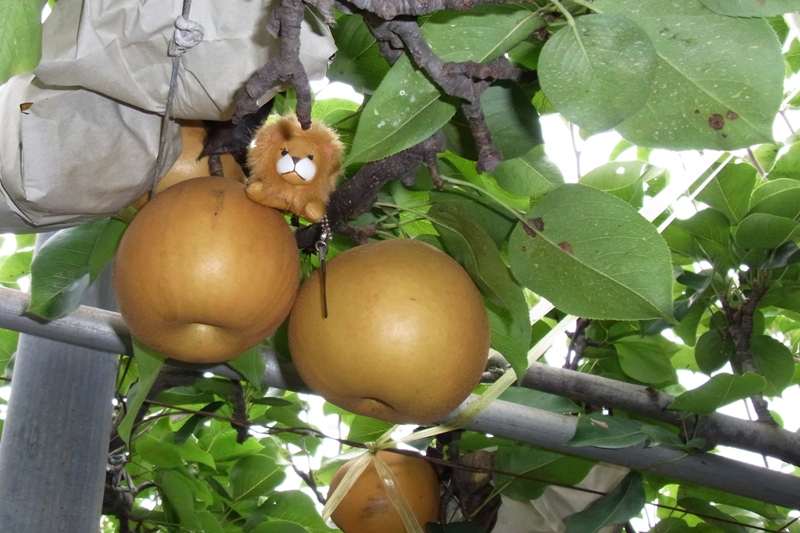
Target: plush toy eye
pixel 285 163
pixel 305 169
pixel 284 151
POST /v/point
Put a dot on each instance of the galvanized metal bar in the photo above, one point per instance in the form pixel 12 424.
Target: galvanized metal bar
pixel 54 447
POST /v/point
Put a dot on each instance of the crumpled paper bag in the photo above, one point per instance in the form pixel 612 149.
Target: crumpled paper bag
pixel 548 513
pixel 119 50
pixel 87 145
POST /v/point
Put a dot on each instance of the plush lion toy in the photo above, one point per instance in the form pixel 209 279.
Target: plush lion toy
pixel 292 169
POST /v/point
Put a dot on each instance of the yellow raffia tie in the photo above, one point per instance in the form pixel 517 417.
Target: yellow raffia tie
pixel 396 496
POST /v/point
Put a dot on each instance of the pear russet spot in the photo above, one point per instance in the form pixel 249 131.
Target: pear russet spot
pixel 203 273
pixel 406 338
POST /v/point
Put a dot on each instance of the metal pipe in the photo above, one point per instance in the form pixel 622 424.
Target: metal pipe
pixel 105 331
pixel 54 447
pixel 554 431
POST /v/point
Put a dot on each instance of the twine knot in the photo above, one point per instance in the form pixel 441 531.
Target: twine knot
pixel 188 34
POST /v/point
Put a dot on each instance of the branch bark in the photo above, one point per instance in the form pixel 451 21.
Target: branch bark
pixel 285 23
pixel 740 328
pixel 357 195
pixel 465 81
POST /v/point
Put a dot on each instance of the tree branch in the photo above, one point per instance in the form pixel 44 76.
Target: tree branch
pixel 740 327
pixel 357 195
pixel 285 23
pixel 466 80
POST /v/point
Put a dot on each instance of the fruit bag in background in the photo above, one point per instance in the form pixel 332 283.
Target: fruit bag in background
pixel 90 150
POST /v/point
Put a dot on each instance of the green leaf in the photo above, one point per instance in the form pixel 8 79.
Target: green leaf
pixel 645 361
pixel 278 526
pixel 720 390
pixel 750 8
pixel 788 166
pixel 658 435
pixel 726 498
pixel 471 246
pixel 706 235
pixel 713 351
pixel 729 192
pixel 482 33
pixel 598 72
pixel 494 220
pixel 726 524
pixel 617 507
pixel 531 174
pixel 8 345
pixel 188 427
pixel 540 400
pixel 718 83
pixel 774 361
pixel 511 118
pixel 208 522
pixel 105 246
pixel 404 111
pixel 467 170
pixel 294 506
pixel 784 203
pixel 20 37
pixel 672 524
pixel 623 179
pixel 687 329
pixel 65 265
pixel 157 452
pixel 607 432
pixel 14 267
pixel 367 429
pixel 592 255
pixel 254 476
pixel 761 230
pixel 149 363
pixel 192 453
pixel 539 468
pixel 771 188
pixel 175 489
pixel 221 443
pixel 250 365
pixel 358 62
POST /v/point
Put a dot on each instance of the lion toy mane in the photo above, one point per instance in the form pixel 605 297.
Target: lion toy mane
pixel 292 169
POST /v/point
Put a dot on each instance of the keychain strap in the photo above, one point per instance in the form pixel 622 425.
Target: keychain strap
pixel 321 246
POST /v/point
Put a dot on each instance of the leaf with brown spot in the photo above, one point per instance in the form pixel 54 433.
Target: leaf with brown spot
pixel 716 121
pixel 616 267
pixel 533 226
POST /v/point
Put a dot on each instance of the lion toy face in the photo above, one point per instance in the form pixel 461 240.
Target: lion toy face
pixel 296 163
pixel 292 169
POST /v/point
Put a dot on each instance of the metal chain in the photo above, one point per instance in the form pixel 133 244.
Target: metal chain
pixel 321 246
